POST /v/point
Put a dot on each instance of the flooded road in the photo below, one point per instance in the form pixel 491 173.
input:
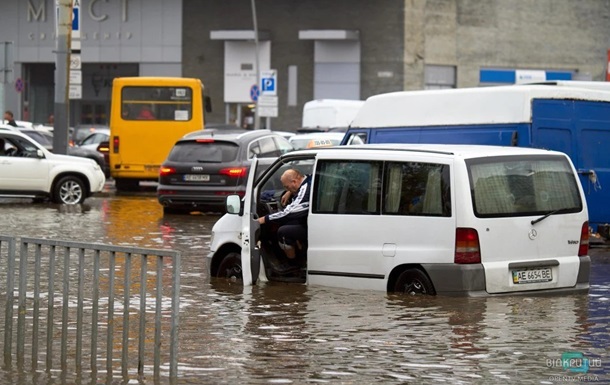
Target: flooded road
pixel 287 333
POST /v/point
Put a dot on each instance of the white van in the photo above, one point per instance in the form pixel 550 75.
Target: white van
pixel 330 113
pixel 420 218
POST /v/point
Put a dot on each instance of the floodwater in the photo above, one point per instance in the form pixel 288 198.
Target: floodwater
pixel 294 334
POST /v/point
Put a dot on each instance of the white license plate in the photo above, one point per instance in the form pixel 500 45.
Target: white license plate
pixel 197 178
pixel 544 274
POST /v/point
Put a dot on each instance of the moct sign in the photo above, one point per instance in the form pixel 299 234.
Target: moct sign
pixel 37 9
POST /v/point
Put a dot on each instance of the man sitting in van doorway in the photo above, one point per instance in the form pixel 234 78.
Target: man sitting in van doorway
pixel 292 220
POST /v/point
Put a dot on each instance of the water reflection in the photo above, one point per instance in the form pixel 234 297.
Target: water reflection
pixel 292 333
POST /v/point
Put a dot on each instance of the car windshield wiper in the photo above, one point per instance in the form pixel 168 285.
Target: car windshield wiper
pixel 545 216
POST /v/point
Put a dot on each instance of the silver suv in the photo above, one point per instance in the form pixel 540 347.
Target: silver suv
pixel 28 170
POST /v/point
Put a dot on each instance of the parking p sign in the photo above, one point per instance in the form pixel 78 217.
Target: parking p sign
pixel 269 82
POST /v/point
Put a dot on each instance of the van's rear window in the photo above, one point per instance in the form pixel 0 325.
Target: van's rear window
pixel 532 185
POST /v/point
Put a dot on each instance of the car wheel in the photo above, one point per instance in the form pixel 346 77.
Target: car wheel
pixel 230 266
pixel 69 190
pixel 413 282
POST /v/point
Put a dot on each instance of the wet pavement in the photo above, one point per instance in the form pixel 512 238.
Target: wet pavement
pixel 290 333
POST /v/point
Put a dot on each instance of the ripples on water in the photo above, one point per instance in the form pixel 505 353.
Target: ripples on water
pixel 286 333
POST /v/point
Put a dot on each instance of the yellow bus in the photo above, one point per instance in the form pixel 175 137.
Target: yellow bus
pixel 147 116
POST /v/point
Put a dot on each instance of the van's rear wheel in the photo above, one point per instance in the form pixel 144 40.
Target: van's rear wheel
pixel 413 282
pixel 230 266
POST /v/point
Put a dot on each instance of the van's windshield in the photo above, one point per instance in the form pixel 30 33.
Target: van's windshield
pixel 534 185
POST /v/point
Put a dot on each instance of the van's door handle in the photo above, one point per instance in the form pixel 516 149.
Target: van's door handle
pixel 585 172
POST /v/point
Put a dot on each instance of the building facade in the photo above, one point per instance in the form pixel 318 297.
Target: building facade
pixel 347 49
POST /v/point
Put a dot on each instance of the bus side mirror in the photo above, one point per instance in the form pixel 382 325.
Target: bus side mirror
pixel 207 101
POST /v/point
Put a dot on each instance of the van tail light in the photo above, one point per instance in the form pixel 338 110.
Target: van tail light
pixel 583 249
pixel 164 171
pixel 115 144
pixel 234 172
pixel 467 248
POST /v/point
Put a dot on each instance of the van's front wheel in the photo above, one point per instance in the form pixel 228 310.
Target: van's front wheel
pixel 230 266
pixel 413 282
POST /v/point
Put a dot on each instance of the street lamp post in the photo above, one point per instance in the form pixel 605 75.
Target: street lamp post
pixel 257 119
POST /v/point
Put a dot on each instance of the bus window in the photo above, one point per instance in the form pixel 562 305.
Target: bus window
pixel 157 103
pixel 148 115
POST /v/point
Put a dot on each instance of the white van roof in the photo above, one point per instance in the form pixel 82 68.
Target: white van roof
pixel 482 105
pixel 329 113
pixel 603 86
pixel 465 151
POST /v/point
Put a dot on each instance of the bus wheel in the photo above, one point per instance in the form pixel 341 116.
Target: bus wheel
pixel 123 184
pixel 413 282
pixel 230 266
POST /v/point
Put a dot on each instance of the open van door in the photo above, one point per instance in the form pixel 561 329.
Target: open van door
pixel 250 253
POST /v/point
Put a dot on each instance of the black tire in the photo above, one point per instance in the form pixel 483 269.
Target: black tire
pixel 172 210
pixel 414 282
pixel 124 184
pixel 69 190
pixel 230 266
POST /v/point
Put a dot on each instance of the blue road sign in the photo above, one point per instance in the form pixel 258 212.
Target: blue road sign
pixel 268 85
pixel 75 19
pixel 254 92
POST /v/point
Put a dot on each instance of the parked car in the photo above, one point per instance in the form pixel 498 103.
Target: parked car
pixel 92 140
pixel 419 219
pixel 98 141
pixel 204 167
pixel 45 139
pixel 28 169
pixel 81 131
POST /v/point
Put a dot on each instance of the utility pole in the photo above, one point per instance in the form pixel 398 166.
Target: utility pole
pixel 5 70
pixel 62 66
pixel 257 118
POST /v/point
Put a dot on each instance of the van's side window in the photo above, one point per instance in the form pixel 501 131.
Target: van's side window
pixel 347 187
pixel 417 189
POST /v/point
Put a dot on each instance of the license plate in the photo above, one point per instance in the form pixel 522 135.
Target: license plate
pixel 532 275
pixel 197 178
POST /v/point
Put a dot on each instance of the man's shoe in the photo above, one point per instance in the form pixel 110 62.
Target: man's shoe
pixel 278 266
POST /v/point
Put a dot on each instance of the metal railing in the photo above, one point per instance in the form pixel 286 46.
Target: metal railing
pixel 89 281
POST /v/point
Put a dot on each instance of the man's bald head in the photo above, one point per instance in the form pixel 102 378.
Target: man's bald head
pixel 291 180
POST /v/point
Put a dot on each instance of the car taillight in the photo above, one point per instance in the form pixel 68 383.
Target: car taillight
pixel 583 249
pixel 103 147
pixel 234 172
pixel 115 144
pixel 164 171
pixel 467 248
pixel 204 140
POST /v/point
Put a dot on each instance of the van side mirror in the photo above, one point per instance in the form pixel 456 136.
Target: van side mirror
pixel 207 102
pixel 233 205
